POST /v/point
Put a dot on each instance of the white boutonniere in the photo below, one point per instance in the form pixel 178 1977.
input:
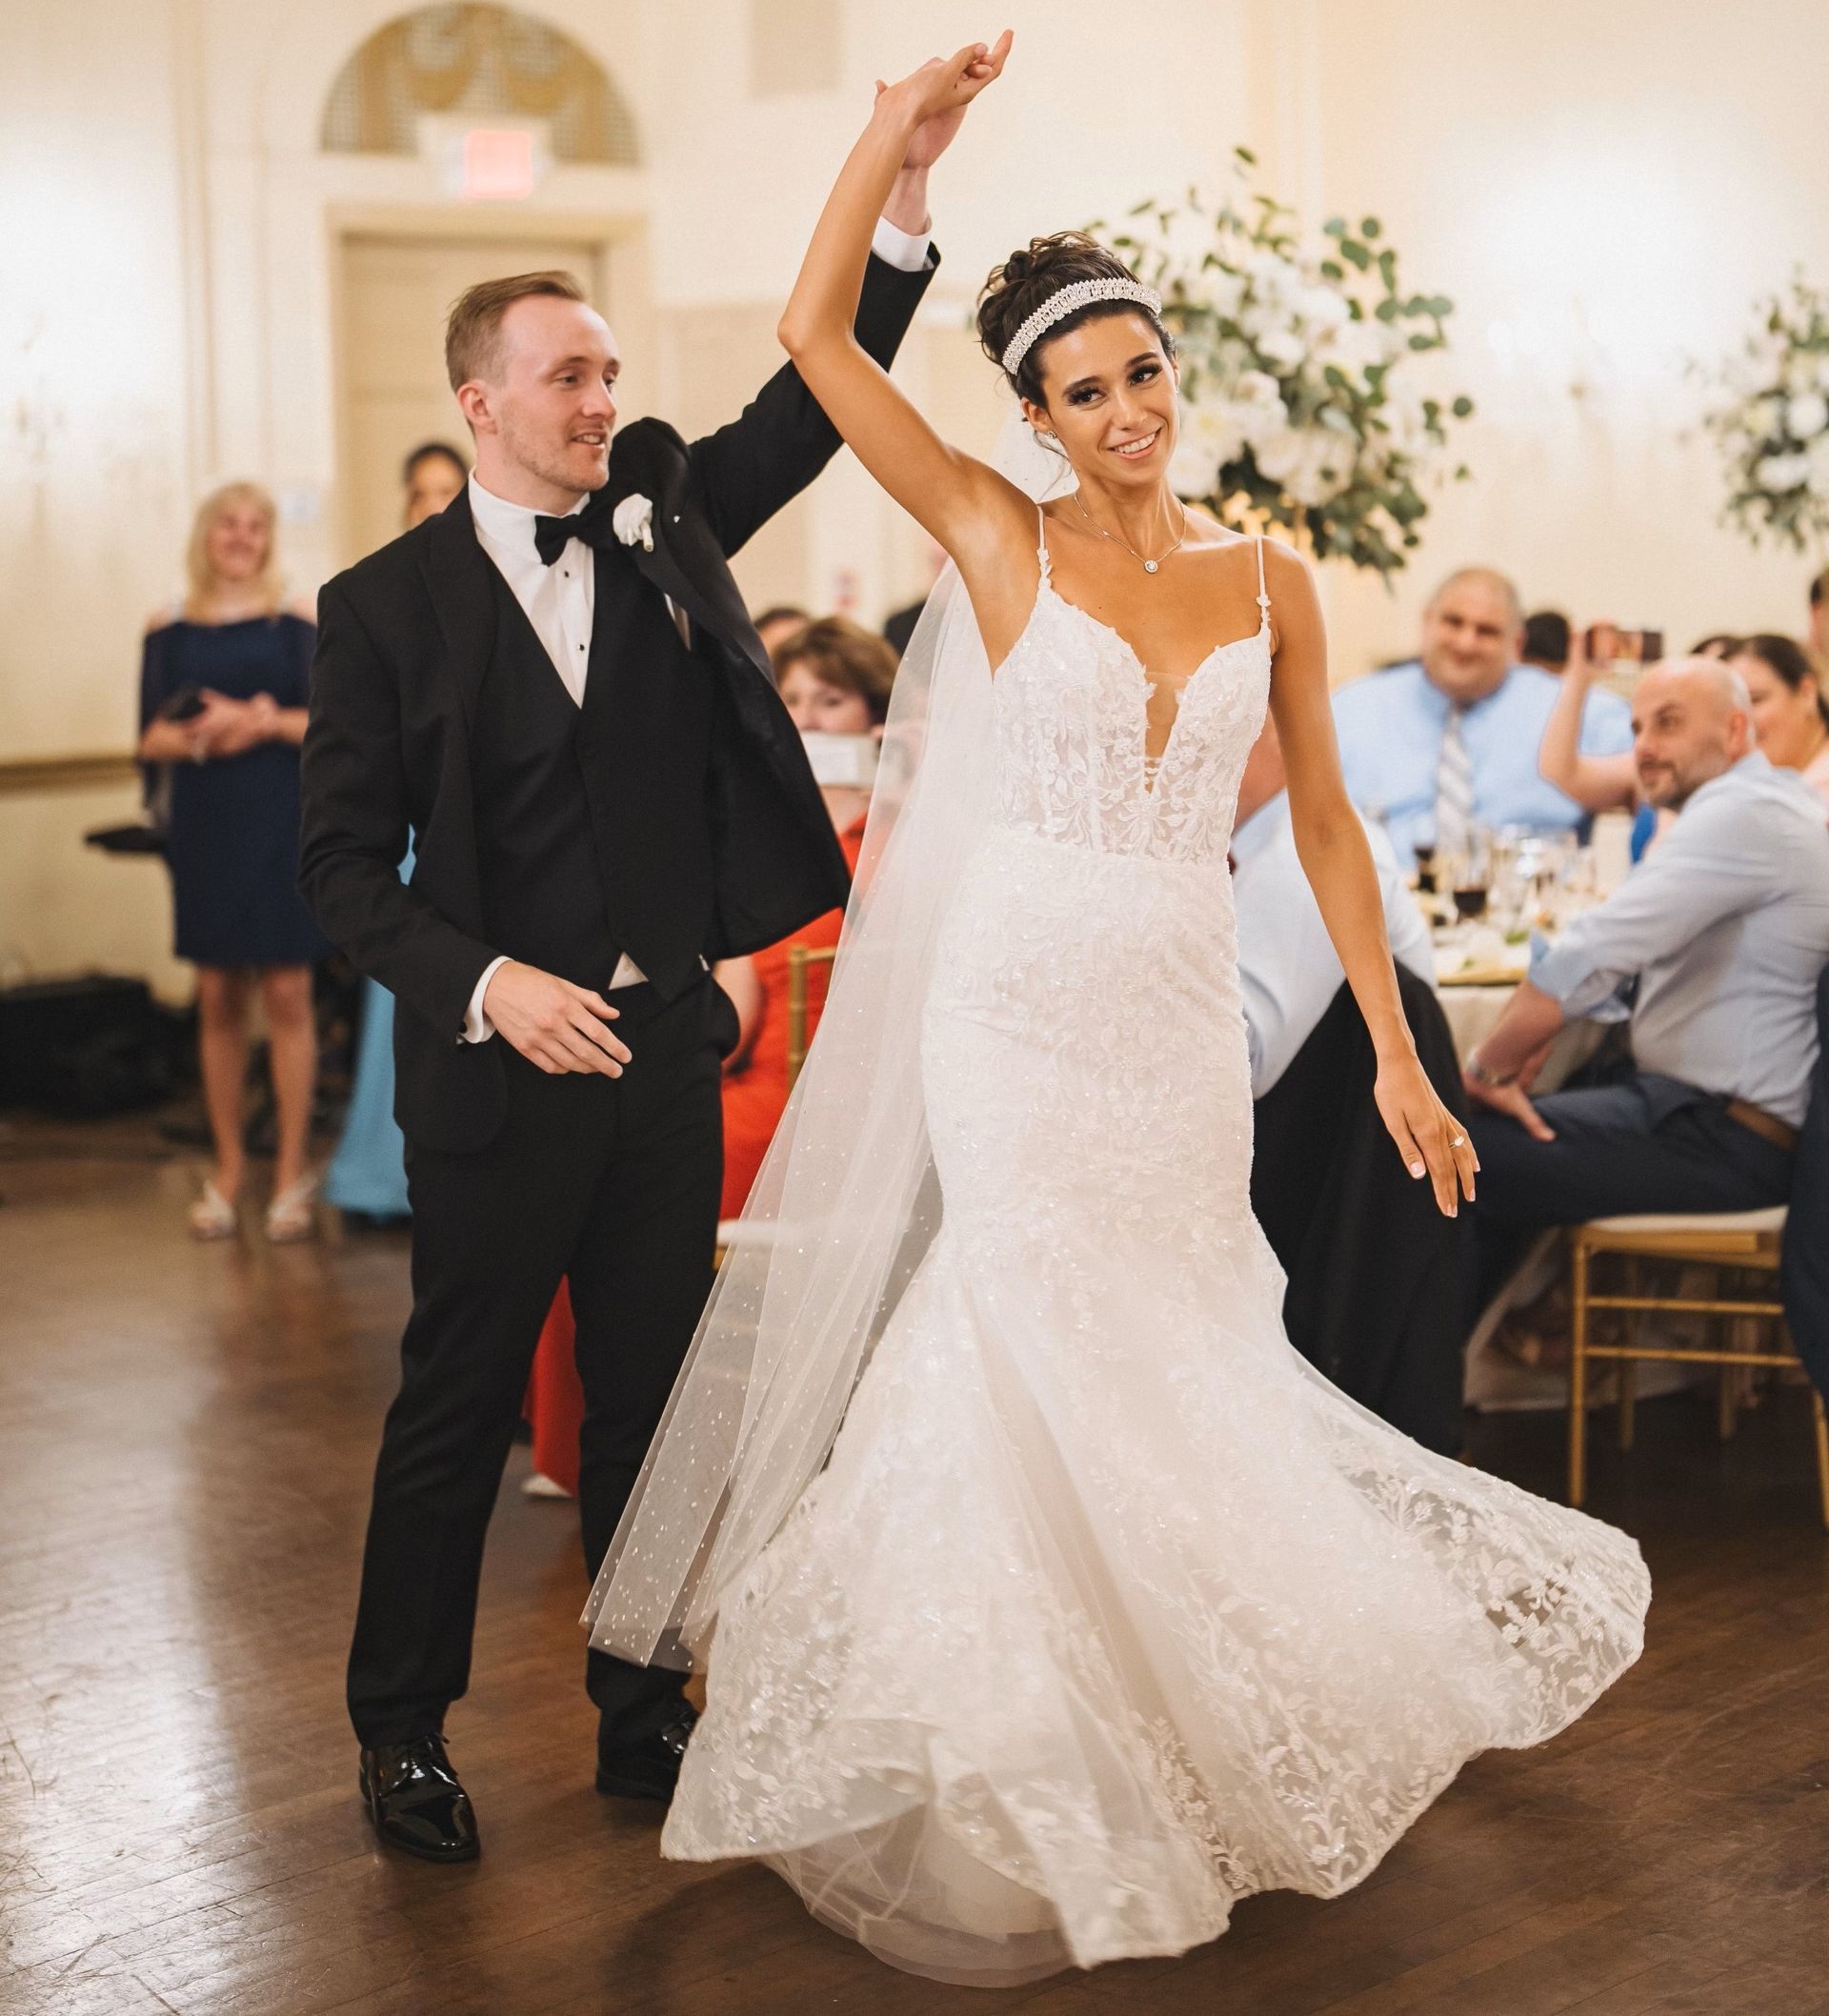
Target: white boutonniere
pixel 633 522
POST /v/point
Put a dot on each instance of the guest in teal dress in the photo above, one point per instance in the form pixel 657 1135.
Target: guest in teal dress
pixel 367 1174
pixel 223 690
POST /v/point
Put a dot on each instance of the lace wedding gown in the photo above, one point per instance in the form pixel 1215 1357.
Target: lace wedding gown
pixel 1107 1610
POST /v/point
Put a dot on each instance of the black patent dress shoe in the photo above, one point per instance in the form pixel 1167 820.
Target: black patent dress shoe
pixel 649 1769
pixel 415 1801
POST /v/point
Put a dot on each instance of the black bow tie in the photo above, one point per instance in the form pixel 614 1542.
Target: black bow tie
pixel 592 525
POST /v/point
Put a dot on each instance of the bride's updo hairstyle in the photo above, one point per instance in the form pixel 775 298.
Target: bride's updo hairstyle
pixel 1027 279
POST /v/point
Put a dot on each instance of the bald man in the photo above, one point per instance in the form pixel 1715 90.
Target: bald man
pixel 1725 929
pixel 1448 742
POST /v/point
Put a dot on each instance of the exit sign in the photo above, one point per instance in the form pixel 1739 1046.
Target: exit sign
pixel 498 165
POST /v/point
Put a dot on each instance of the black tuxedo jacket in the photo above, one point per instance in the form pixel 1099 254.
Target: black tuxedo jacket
pixel 730 824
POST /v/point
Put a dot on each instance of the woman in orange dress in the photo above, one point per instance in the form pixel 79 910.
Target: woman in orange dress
pixel 835 677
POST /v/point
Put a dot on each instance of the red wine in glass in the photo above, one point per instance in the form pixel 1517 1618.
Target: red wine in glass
pixel 1471 903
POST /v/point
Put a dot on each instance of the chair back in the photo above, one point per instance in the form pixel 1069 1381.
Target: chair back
pixel 799 1034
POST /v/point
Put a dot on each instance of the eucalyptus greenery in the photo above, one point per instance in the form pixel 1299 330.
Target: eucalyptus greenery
pixel 1771 425
pixel 1299 405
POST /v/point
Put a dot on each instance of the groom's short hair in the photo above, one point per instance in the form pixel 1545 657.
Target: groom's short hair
pixel 473 334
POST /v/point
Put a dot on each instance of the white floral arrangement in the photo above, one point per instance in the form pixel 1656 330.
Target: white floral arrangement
pixel 1773 424
pixel 1301 407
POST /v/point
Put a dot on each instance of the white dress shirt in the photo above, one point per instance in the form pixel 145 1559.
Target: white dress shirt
pixel 560 601
pixel 1725 923
pixel 1288 969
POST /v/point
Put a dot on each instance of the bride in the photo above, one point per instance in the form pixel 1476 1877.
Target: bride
pixel 1057 1603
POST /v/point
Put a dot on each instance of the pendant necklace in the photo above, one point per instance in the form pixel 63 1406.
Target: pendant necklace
pixel 1149 566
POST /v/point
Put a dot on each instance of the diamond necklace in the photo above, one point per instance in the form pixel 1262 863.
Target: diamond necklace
pixel 1149 566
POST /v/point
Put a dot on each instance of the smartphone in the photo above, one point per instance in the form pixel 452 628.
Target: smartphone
pixel 184 705
pixel 1608 644
pixel 842 760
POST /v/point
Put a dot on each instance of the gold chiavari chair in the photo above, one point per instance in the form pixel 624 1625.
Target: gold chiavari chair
pixel 1745 1242
pixel 800 958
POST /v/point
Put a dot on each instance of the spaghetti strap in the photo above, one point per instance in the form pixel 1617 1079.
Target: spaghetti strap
pixel 1042 544
pixel 1263 599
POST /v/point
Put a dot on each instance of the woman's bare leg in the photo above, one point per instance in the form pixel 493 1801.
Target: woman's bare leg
pixel 222 1051
pixel 291 1038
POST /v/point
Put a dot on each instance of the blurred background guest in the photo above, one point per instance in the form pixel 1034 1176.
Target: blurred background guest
pixel 776 625
pixel 223 690
pixel 1818 634
pixel 1725 930
pixel 1446 743
pixel 835 679
pixel 1377 1278
pixel 367 1178
pixel 431 476
pixel 1546 641
pixel 1790 720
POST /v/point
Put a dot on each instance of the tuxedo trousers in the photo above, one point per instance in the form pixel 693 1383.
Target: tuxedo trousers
pixel 614 1184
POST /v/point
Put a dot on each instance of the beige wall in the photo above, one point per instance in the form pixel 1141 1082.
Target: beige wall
pixel 1613 182
pixel 1603 191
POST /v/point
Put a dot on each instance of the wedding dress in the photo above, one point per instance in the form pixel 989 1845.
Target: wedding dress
pixel 1106 1611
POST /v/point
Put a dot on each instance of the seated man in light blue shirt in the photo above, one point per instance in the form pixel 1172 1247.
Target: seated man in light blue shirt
pixel 1449 741
pixel 1726 928
pixel 1287 965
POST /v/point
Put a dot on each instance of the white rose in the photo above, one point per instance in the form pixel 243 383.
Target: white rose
pixel 1312 464
pixel 1258 388
pixel 1274 277
pixel 1224 292
pixel 1320 308
pixel 1356 346
pixel 1282 346
pixel 1209 438
pixel 1806 416
pixel 1778 474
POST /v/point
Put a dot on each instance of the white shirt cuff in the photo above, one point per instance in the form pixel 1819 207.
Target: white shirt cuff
pixel 897 248
pixel 477 1026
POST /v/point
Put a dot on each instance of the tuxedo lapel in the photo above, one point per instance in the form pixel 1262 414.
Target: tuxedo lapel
pixel 457 572
pixel 686 564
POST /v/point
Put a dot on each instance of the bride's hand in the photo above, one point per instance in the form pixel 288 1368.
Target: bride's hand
pixel 931 102
pixel 1431 1140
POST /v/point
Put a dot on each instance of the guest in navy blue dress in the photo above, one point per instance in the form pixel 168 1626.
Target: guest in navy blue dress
pixel 367 1178
pixel 223 691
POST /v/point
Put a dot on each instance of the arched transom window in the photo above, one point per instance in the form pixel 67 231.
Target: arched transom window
pixel 478 63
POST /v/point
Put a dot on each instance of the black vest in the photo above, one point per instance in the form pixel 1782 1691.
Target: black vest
pixel 541 809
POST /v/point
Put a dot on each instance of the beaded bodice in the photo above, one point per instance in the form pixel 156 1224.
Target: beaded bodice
pixel 1071 709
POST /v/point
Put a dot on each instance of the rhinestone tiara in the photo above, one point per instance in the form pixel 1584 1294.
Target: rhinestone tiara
pixel 1078 294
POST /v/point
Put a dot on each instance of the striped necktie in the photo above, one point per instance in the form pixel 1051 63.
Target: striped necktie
pixel 1453 789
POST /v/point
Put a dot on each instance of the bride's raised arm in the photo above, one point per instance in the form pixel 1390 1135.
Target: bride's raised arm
pixel 966 506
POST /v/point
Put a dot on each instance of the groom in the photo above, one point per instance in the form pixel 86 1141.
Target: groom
pixel 555 687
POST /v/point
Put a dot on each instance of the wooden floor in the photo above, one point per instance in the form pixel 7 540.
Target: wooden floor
pixel 185 1440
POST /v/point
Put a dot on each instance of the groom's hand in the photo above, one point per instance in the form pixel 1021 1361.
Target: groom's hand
pixel 553 1024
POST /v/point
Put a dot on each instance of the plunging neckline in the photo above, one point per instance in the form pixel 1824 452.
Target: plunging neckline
pixel 1151 765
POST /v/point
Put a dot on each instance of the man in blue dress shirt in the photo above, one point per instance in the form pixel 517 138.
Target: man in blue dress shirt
pixel 1726 928
pixel 1449 741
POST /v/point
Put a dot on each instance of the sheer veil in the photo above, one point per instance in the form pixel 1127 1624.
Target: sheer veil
pixel 846 1204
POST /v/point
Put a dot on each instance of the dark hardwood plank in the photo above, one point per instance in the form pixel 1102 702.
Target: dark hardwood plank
pixel 186 1436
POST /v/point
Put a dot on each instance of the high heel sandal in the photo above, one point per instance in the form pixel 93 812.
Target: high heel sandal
pixel 290 1216
pixel 213 1216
